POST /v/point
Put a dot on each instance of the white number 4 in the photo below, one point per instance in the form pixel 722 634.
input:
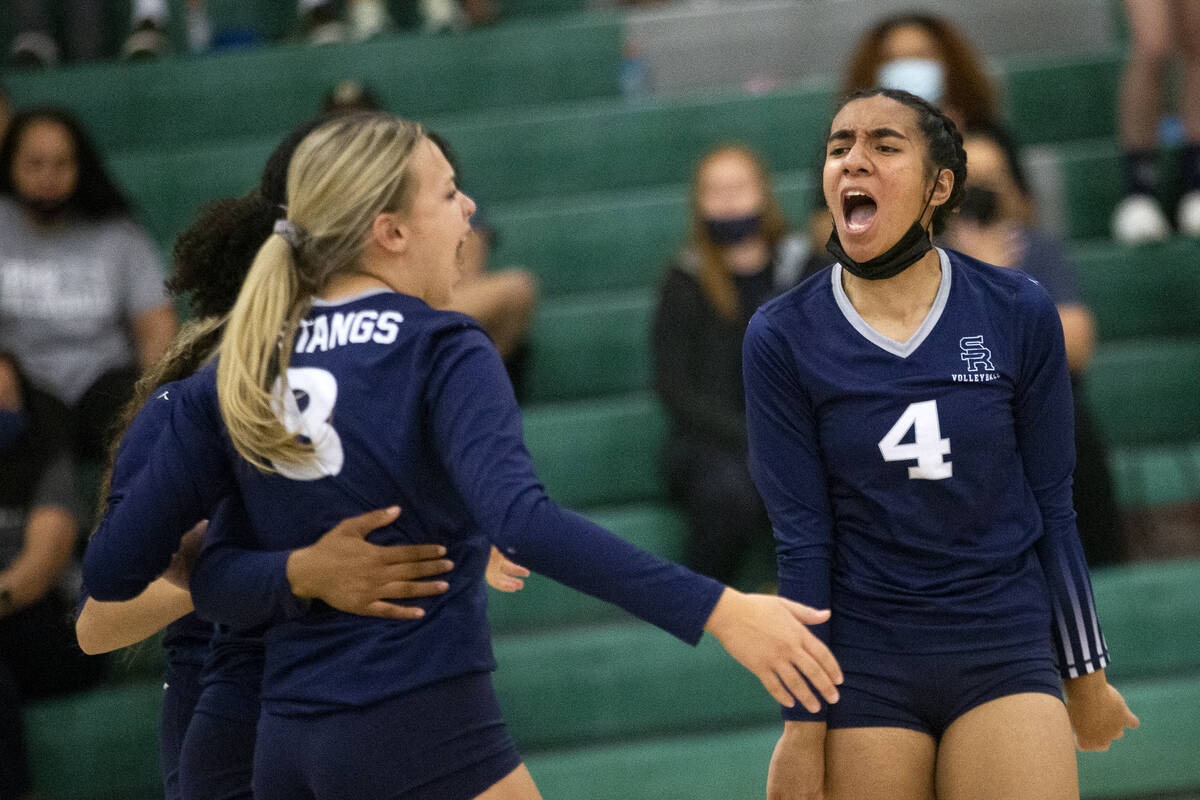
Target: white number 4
pixel 927 446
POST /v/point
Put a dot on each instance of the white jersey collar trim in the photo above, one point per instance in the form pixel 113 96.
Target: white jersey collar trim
pixel 901 349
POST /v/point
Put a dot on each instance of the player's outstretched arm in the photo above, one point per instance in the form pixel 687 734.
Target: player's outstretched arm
pixel 797 770
pixel 769 637
pixel 104 627
pixel 1097 710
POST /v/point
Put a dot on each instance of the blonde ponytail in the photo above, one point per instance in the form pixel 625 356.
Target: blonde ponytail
pixel 338 182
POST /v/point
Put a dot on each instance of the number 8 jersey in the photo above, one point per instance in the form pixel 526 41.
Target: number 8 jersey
pixel 922 489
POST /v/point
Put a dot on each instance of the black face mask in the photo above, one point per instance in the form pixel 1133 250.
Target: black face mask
pixel 45 210
pixel 903 254
pixel 980 205
pixel 727 232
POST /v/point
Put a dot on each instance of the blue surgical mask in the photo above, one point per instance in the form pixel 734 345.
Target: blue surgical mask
pixel 924 77
pixel 726 232
pixel 12 425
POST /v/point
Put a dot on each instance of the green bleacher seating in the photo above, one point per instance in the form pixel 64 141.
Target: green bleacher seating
pixel 194 102
pixel 609 683
pixel 100 745
pixel 603 452
pixel 1063 98
pixel 1137 291
pixel 546 605
pixel 594 346
pixel 612 240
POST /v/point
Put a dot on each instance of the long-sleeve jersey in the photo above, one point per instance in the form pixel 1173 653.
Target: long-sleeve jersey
pixel 404 405
pixel 922 490
pixel 186 640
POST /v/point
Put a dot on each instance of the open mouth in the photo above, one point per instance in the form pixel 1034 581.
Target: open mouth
pixel 858 210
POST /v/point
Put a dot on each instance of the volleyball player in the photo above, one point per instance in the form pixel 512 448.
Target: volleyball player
pixel 210 703
pixel 335 338
pixel 910 425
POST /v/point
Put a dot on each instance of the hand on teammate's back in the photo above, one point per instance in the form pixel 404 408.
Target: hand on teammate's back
pixel 179 571
pixel 767 635
pixel 1099 715
pixel 350 574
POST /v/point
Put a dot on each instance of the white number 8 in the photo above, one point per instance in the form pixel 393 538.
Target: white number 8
pixel 312 422
pixel 927 447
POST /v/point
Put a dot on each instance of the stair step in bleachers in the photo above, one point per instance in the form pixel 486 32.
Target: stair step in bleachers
pixel 192 102
pixel 100 745
pixel 1146 392
pixel 1140 291
pixel 594 346
pixel 613 240
pixel 598 453
pixel 1158 759
pixel 608 683
pixel 1063 98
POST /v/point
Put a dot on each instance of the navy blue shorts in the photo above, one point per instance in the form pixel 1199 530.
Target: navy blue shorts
pixel 217 760
pixel 927 692
pixel 180 692
pixel 446 741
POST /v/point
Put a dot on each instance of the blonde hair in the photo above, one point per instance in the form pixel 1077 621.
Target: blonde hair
pixel 342 175
pixel 715 279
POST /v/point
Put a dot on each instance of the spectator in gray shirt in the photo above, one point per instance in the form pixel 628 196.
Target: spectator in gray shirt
pixel 38 513
pixel 82 303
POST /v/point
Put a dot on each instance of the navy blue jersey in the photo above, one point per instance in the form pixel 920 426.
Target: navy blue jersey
pixel 186 640
pixel 923 489
pixel 404 405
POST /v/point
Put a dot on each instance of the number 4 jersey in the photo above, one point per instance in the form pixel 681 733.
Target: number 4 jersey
pixel 923 488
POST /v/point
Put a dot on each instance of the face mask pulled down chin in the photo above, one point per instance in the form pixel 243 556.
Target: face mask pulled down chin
pixel 924 77
pixel 903 254
pixel 725 232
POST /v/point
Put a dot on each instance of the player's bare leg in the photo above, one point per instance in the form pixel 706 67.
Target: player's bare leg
pixel 879 764
pixel 1018 747
pixel 516 785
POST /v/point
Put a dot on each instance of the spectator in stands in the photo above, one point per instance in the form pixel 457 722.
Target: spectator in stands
pixel 84 22
pixel 994 225
pixel 5 110
pixel 82 303
pixel 38 527
pixel 1156 28
pixel 738 256
pixel 926 55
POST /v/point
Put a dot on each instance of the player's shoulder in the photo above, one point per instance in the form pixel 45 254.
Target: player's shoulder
pixel 809 301
pixel 1009 288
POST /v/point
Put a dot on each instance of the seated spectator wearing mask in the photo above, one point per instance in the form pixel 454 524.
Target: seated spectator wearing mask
pixel 738 256
pixel 994 225
pixel 82 303
pixel 925 55
pixel 38 505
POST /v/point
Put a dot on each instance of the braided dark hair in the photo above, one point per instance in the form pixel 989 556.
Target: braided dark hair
pixel 943 144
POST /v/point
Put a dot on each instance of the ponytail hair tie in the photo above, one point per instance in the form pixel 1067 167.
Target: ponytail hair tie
pixel 291 233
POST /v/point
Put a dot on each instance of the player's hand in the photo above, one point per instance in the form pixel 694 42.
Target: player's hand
pixel 767 635
pixel 349 573
pixel 504 575
pixel 1098 712
pixel 179 571
pixel 797 770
